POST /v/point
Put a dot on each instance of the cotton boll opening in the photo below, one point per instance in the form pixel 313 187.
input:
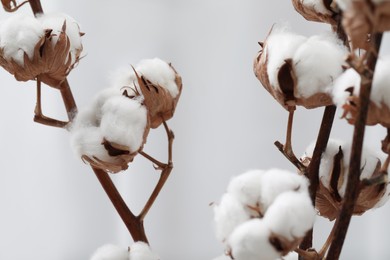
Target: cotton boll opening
pixel 18 35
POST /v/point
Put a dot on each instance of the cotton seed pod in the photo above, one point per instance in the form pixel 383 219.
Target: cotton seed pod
pixel 153 77
pixel 333 174
pixel 363 18
pixel 317 10
pixel 49 58
pixel 297 70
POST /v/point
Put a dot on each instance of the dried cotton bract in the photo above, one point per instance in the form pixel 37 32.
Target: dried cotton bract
pixel 264 214
pixel 297 70
pixel 44 48
pixel 333 174
pixel 110 132
pixel 346 94
pixel 317 10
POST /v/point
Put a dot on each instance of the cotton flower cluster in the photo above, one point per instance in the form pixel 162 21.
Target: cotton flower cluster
pixel 264 214
pixel 317 10
pixel 297 70
pixel 362 18
pixel 138 251
pixel 46 47
pixel 110 132
pixel 333 174
pixel 346 94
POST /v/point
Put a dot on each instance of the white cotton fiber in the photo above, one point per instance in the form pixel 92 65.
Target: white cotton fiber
pixel 317 5
pixel 55 21
pixel 250 241
pixel 350 78
pixel 142 251
pixel 277 181
pixel 159 73
pixel 290 256
pixel 18 35
pixel 110 252
pixel 317 63
pixel 124 121
pixel 228 214
pixel 281 44
pixel 246 187
pixel 291 215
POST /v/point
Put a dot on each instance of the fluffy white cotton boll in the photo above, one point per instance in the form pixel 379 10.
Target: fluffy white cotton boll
pixel 291 215
pixel 281 45
pixel 246 187
pixel 55 21
pixel 159 73
pixel 228 214
pixel 110 252
pixel 141 251
pixel 250 241
pixel 317 62
pixel 350 78
pixel 318 6
pixel 18 35
pixel 88 141
pixel 380 89
pixel 277 181
pixel 124 121
pixel 290 256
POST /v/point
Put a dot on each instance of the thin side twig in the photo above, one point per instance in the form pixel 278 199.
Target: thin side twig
pixel 353 180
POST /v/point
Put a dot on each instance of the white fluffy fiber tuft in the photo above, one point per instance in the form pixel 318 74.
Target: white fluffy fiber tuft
pixel 110 252
pixel 142 251
pixel 318 6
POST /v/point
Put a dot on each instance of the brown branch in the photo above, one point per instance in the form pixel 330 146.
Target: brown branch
pixel 353 180
pixel 134 224
pixel 314 166
pixel 68 99
pixel 36 7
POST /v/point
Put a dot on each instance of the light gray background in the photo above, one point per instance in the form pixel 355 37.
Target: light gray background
pixel 52 206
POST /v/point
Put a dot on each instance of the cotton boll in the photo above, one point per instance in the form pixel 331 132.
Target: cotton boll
pixel 281 44
pixel 124 121
pixel 290 256
pixel 251 241
pixel 318 6
pixel 110 252
pixel 228 214
pixel 291 215
pixel 18 35
pixel 380 90
pixel 317 62
pixel 159 73
pixel 142 251
pixel 276 181
pixel 246 188
pixel 350 78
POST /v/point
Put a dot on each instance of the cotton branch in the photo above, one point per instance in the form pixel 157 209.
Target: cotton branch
pixel 353 180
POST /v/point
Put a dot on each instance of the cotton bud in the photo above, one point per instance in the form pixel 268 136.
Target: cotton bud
pixel 333 174
pixel 297 70
pixel 45 48
pixel 110 252
pixel 346 94
pixel 142 251
pixel 317 10
pixel 363 18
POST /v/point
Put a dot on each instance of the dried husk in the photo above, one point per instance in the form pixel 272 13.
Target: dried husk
pixel 157 99
pixel 121 155
pixel 363 18
pixel 284 245
pixel 51 63
pixel 11 5
pixel 328 200
pixel 286 95
pixel 310 14
pixel 376 114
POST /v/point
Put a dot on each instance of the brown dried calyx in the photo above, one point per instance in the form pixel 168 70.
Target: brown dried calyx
pixel 363 18
pixel 11 5
pixel 328 198
pixel 159 102
pixel 51 63
pixel 310 13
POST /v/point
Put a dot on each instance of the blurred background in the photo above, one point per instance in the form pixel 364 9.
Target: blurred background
pixel 52 206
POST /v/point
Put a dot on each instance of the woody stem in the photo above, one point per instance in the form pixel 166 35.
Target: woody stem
pixel 36 7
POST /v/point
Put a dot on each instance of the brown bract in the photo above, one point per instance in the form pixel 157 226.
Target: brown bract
pixel 328 199
pixel 157 99
pixel 363 19
pixel 286 93
pixel 11 5
pixel 51 63
pixel 310 14
pixel 284 245
pixel 376 114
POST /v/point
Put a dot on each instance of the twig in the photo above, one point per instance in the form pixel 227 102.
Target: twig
pixel 36 7
pixel 353 180
pixel 314 166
